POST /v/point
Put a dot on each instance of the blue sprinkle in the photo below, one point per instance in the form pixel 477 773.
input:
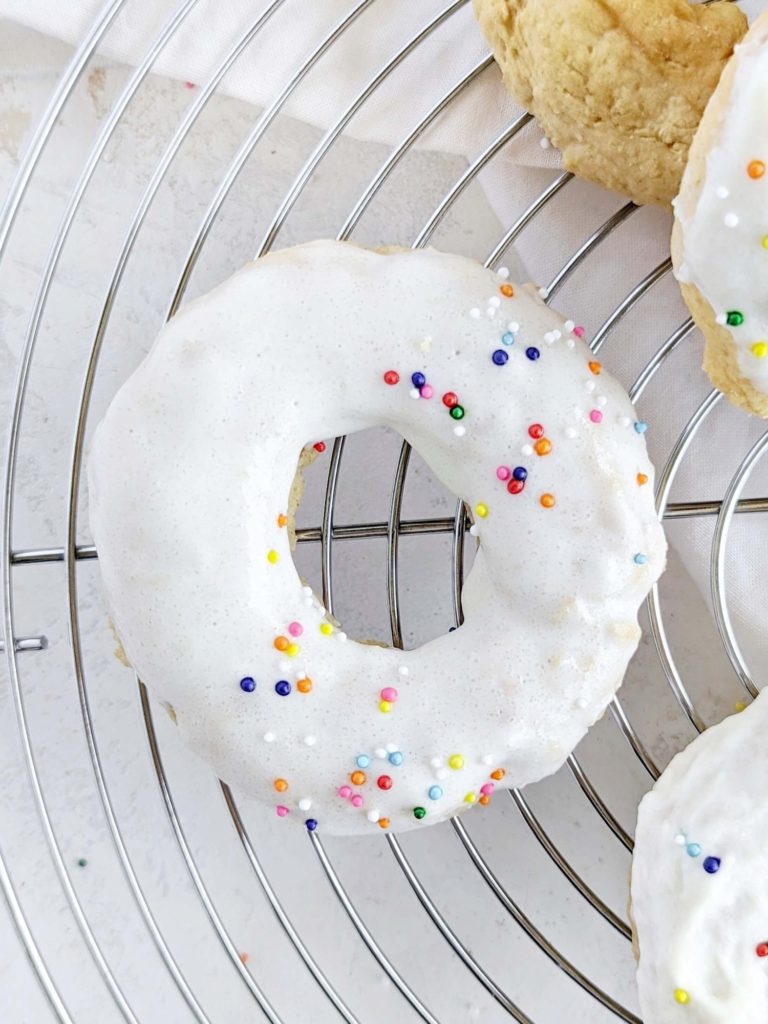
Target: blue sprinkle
pixel 248 684
pixel 640 558
pixel 418 380
pixel 693 849
pixel 507 339
pixel 396 758
pixel 532 353
pixel 362 761
pixel 435 792
pixel 711 865
pixel 500 357
pixel 452 629
pixel 311 824
pixel 520 473
pixel 283 687
pixel 641 427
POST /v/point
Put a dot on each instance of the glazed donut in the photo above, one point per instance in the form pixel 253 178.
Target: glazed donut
pixel 619 86
pixel 700 880
pixel 190 474
pixel 720 236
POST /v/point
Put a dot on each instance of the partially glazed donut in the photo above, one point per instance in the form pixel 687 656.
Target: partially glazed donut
pixel 190 475
pixel 700 880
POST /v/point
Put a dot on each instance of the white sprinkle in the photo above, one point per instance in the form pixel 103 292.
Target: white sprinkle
pixel 403 670
pixel 571 432
pixel 570 343
pixel 474 530
pixel 590 385
pixel 731 220
pixel 269 737
pixel 722 192
pixel 527 449
pixel 494 301
pixel 442 773
pixel 513 326
pixel 550 338
pixel 305 803
pixel 342 636
pixel 543 293
pixel 582 703
pixel 414 393
pixel 503 272
pixel 300 676
pixel 680 839
pixel 544 142
pixel 569 325
pixel 601 400
pixel 436 762
pixel 307 591
pixel 487 759
pixel 310 740
pixel 722 319
pixel 392 748
pixel 474 313
pixel 373 816
pixel 381 753
pixel 459 431
pixel 285 666
pixel 490 312
pixel 624 421
pixel 557 334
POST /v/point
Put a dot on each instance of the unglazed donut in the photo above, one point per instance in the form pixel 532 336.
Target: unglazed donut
pixel 700 880
pixel 189 477
pixel 618 85
pixel 720 238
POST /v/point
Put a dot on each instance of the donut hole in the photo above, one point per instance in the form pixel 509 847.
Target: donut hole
pixel 359 563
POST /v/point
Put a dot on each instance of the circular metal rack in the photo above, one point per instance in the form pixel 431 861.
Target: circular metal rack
pixel 475 855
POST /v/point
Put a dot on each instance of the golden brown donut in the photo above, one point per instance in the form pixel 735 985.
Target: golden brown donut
pixel 619 86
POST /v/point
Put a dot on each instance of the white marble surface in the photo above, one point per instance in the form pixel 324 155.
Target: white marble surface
pixel 367 868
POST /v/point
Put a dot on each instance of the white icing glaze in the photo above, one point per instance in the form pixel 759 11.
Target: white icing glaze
pixel 192 466
pixel 723 251
pixel 699 932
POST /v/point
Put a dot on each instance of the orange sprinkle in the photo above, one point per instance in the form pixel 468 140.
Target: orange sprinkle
pixel 548 500
pixel 280 785
pixel 498 774
pixel 595 368
pixel 244 958
pixel 357 778
pixel 641 479
pixel 282 520
pixel 508 290
pixel 281 643
pixel 756 169
pixel 383 822
pixel 484 800
pixel 304 685
pixel 543 447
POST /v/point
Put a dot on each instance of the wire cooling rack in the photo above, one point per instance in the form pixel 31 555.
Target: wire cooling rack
pixel 519 913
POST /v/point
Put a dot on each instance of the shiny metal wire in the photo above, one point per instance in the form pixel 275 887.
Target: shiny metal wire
pixel 326 534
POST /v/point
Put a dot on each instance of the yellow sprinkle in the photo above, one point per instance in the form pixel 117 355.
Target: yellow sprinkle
pixel 765 241
pixel 456 761
pixel 272 556
pixel 481 510
pixel 760 349
pixel 292 650
pixel 739 706
pixel 385 706
pixel 681 996
pixel 326 628
pixel 470 798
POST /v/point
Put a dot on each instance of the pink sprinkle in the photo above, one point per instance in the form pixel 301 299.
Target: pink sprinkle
pixel 427 391
pixel 503 473
pixel 487 789
pixel 596 416
pixel 579 332
pixel 345 792
pixel 189 85
pixel 295 629
pixel 357 801
pixel 389 693
pixel 281 810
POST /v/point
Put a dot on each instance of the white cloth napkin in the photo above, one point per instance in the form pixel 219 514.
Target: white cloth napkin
pixel 478 115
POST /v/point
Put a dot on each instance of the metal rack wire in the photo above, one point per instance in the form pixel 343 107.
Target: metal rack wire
pixel 327 535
